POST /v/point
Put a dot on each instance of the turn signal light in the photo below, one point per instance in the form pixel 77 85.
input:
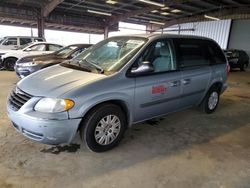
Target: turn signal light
pixel 68 104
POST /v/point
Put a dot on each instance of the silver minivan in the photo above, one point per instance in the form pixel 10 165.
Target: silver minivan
pixel 116 83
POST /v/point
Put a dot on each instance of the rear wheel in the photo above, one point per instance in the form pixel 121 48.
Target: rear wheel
pixel 211 100
pixel 10 63
pixel 103 127
pixel 243 67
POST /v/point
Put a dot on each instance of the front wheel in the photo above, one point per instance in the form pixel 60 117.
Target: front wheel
pixel 103 127
pixel 243 67
pixel 211 100
pixel 9 63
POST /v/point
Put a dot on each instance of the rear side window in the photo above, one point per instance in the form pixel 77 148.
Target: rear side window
pixel 216 54
pixel 191 52
pixel 53 47
pixel 38 40
pixel 38 47
pixel 10 41
pixel 25 41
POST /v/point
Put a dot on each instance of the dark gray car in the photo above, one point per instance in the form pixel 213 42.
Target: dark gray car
pixel 27 65
pixel 237 59
pixel 118 82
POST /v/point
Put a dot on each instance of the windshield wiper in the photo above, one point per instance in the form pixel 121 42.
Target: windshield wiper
pixel 98 68
pixel 75 65
pixel 74 62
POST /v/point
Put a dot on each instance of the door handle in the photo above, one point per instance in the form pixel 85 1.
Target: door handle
pixel 186 81
pixel 174 83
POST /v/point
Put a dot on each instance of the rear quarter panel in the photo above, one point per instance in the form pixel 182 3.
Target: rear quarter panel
pixel 219 74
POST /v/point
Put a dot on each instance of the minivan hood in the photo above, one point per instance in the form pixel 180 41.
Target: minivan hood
pixel 56 80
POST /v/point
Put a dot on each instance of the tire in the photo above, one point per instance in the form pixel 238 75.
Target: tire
pixel 97 136
pixel 243 67
pixel 10 63
pixel 211 100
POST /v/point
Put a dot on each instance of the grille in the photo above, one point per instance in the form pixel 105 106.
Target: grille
pixel 18 98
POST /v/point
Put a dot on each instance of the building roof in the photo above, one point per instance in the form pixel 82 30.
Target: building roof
pixel 88 15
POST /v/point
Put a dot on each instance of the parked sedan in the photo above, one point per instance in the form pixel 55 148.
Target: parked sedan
pixel 237 59
pixel 38 48
pixel 30 64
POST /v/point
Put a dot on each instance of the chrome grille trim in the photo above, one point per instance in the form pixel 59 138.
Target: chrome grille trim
pixel 18 98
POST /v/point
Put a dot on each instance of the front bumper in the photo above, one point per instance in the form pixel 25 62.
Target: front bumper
pixel 22 74
pixel 1 62
pixel 52 131
pixel 25 71
pixel 224 87
pixel 234 62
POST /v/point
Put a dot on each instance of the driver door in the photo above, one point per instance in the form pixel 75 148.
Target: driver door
pixel 157 93
pixel 37 49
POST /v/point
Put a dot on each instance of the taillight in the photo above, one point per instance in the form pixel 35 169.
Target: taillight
pixel 228 69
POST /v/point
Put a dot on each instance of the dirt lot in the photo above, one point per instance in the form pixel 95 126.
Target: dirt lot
pixel 188 149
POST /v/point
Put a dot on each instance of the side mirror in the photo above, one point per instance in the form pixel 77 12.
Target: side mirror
pixel 28 50
pixel 145 67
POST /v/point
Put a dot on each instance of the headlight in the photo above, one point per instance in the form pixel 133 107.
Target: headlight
pixel 50 105
pixel 28 64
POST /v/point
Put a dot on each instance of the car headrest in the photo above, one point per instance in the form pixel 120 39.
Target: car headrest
pixel 164 51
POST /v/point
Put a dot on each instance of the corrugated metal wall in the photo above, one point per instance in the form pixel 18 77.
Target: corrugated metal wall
pixel 240 35
pixel 217 30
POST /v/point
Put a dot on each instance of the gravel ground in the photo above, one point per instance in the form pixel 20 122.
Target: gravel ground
pixel 187 149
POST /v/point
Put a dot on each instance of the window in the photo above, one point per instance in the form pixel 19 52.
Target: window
pixel 2 40
pixel 191 52
pixel 38 39
pixel 160 55
pixel 216 54
pixel 38 47
pixel 10 41
pixel 53 47
pixel 25 41
pixel 66 51
pixel 77 52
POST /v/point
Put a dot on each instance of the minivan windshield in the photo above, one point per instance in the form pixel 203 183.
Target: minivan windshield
pixel 110 55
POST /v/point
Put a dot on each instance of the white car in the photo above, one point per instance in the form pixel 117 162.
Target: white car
pixel 9 58
pixel 13 42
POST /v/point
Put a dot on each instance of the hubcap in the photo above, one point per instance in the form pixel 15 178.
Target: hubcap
pixel 213 100
pixel 107 129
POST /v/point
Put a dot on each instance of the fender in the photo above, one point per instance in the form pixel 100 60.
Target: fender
pixel 9 58
pixel 114 96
